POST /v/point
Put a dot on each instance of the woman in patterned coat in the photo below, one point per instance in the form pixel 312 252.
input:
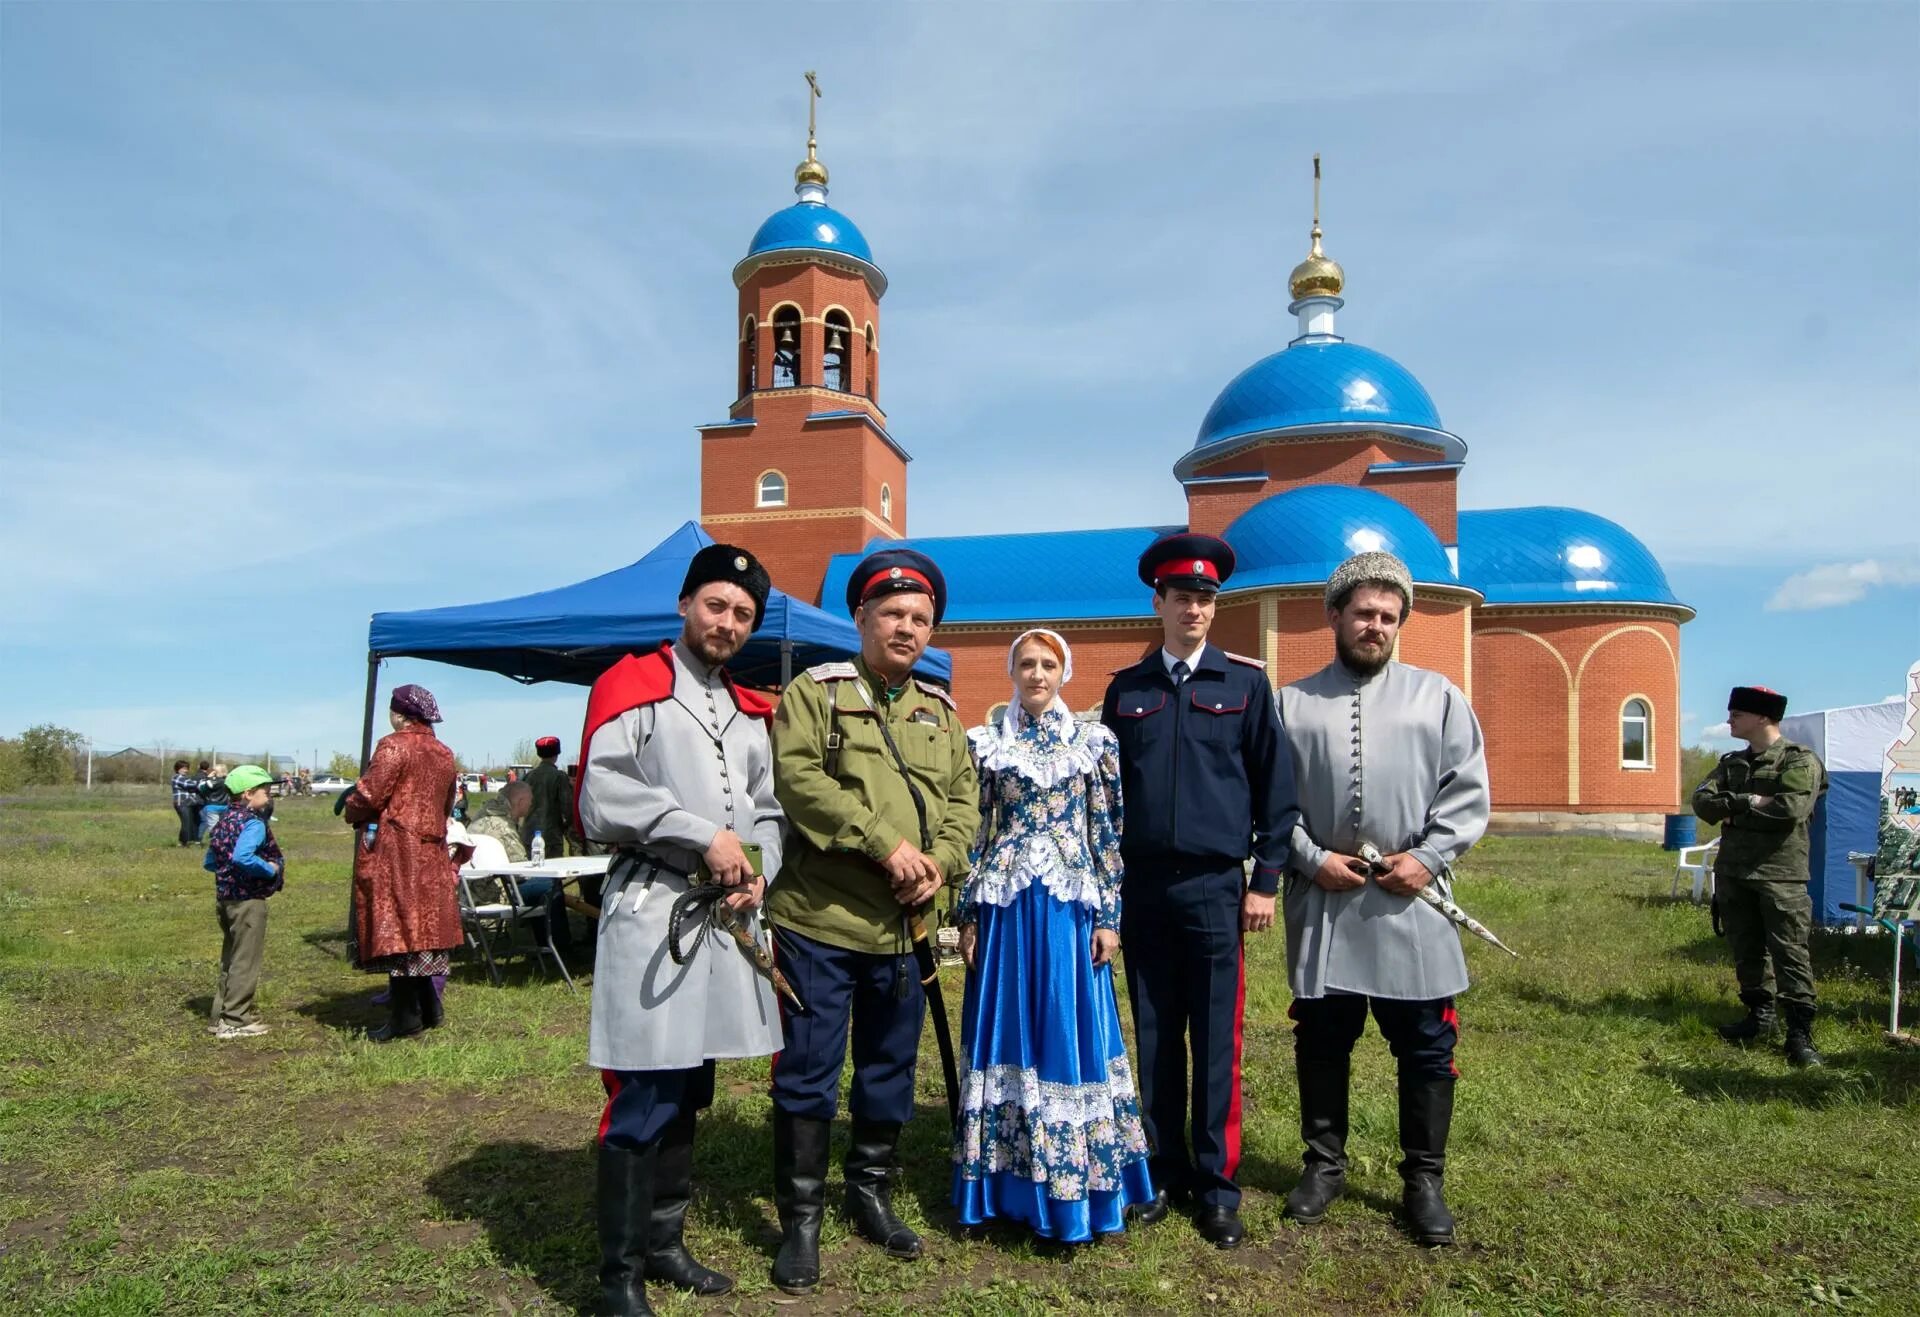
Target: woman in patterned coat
pixel 1050 1132
pixel 406 916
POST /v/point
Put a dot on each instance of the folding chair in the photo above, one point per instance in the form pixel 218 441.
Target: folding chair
pixel 1696 861
pixel 482 919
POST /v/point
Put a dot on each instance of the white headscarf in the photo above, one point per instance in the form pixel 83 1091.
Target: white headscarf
pixel 998 746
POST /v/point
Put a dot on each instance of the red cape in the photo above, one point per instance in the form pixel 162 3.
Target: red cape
pixel 637 681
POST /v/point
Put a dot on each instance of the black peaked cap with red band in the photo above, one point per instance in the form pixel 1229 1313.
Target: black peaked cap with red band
pixel 1186 561
pixel 891 571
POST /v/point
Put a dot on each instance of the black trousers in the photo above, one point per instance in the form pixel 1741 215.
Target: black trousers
pixel 189 812
pixel 1420 1034
pixel 1180 928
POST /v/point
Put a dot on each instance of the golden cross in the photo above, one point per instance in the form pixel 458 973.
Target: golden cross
pixel 813 98
pixel 1316 191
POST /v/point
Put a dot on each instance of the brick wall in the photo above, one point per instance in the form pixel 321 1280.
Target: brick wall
pixel 1529 668
pixel 1335 461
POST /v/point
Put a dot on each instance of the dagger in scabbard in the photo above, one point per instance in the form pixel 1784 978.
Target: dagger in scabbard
pixel 1378 863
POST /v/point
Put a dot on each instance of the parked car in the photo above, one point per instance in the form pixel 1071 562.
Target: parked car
pixel 330 782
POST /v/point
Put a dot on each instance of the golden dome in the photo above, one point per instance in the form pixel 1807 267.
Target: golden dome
pixel 1317 276
pixel 810 170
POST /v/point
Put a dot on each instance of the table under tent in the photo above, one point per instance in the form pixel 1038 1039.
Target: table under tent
pixel 576 632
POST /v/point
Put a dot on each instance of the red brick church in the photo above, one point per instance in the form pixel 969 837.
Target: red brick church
pixel 1558 623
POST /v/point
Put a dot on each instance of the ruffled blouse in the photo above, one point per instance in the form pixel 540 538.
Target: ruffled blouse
pixel 1049 810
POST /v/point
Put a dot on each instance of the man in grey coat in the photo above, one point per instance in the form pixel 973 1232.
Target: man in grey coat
pixel 677 777
pixel 1387 755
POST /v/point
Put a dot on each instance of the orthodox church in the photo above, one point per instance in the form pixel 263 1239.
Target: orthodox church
pixel 1558 624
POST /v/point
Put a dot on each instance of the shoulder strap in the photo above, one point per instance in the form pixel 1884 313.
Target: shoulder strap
pixel 900 764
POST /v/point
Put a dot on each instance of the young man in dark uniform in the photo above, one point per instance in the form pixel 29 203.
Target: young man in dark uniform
pixel 1206 783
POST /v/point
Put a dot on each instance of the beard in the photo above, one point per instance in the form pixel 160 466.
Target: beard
pixel 713 648
pixel 1361 662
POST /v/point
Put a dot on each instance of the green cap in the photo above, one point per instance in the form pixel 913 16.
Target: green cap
pixel 247 777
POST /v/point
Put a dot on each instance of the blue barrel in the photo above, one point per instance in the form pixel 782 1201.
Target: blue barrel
pixel 1680 832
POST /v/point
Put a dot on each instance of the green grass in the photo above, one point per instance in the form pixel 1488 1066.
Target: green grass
pixel 1609 1153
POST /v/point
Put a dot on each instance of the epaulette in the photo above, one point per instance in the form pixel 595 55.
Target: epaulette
pixel 936 690
pixel 833 672
pixel 1242 658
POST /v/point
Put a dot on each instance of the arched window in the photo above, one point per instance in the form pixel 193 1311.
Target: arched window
pixel 833 359
pixel 1636 734
pixel 786 347
pixel 873 362
pixel 886 504
pixel 747 348
pixel 771 491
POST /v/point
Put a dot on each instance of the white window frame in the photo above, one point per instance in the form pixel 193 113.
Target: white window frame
pixel 1646 731
pixel 760 499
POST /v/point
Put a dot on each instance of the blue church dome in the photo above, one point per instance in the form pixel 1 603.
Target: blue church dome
pixel 1558 556
pixel 810 226
pixel 1300 536
pixel 1319 385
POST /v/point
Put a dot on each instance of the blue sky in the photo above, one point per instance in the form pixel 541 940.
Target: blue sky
pixel 312 311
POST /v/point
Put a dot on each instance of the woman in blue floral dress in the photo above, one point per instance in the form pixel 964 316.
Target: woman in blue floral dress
pixel 1050 1131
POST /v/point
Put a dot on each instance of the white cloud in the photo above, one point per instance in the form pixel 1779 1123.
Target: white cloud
pixel 1717 730
pixel 1834 584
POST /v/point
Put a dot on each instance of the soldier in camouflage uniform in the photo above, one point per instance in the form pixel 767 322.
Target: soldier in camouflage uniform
pixel 866 848
pixel 1762 797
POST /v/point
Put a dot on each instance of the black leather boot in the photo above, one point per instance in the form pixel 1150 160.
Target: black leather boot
pixel 870 1189
pixel 403 1012
pixel 624 1206
pixel 800 1195
pixel 1426 1113
pixel 1323 1128
pixel 1800 1048
pixel 431 1011
pixel 1759 1021
pixel 667 1256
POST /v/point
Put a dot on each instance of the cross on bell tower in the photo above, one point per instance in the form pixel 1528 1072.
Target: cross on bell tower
pixel 804 466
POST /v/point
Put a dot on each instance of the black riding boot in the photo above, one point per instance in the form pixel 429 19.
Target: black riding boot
pixel 1426 1112
pixel 1800 1049
pixel 624 1205
pixel 800 1195
pixel 667 1256
pixel 870 1189
pixel 403 1011
pixel 1759 1021
pixel 432 1013
pixel 1323 1128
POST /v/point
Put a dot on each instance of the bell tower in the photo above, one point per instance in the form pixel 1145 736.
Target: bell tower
pixel 804 467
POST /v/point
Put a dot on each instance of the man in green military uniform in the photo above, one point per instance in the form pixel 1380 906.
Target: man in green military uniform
pixel 552 815
pixel 872 768
pixel 1762 797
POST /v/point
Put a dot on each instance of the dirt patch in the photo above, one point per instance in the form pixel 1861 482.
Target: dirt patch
pixel 47 1231
pixel 445 1234
pixel 1766 1196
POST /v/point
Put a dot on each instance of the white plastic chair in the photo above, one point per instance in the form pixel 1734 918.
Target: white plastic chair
pixel 1696 861
pixel 482 920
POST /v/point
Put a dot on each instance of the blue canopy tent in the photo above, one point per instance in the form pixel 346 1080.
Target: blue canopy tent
pixel 575 632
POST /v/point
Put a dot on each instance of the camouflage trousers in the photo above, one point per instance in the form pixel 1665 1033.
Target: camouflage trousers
pixel 1769 923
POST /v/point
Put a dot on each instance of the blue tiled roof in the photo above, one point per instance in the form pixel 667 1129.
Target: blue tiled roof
pixel 1300 536
pixel 810 226
pixel 1558 556
pixel 1067 575
pixel 1321 384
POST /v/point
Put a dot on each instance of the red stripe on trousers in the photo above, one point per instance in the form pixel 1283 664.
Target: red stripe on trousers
pixel 1450 1014
pixel 610 1080
pixel 1233 1106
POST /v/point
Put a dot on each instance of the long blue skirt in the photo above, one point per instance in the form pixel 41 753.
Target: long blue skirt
pixel 1050 1131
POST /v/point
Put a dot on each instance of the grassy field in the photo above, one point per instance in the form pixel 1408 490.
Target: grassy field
pixel 1609 1154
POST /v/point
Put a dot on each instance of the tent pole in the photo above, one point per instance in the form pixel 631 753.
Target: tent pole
pixel 366 725
pixel 786 663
